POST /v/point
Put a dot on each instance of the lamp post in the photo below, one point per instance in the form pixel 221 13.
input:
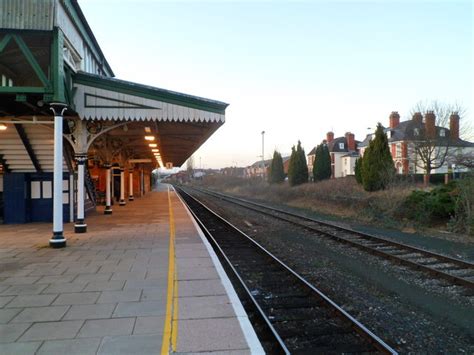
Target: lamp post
pixel 263 155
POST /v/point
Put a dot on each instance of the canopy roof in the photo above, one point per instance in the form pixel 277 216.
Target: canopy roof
pixel 105 98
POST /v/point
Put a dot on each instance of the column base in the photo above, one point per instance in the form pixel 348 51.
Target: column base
pixel 58 240
pixel 122 203
pixel 80 228
pixel 131 198
pixel 108 210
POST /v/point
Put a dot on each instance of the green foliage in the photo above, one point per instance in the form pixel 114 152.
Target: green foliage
pixel 358 170
pixel 377 165
pixel 322 164
pixel 277 172
pixel 463 219
pixel 434 206
pixel 298 169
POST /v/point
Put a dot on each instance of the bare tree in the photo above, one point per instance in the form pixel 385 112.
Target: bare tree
pixel 431 142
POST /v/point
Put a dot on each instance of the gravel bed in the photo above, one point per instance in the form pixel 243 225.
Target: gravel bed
pixel 412 313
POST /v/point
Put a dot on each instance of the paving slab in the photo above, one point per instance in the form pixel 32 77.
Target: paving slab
pixel 7 314
pixel 149 325
pixel 90 311
pixel 28 348
pixel 32 301
pixel 120 296
pixel 52 330
pixel 87 346
pixel 135 309
pixel 40 314
pixel 130 345
pixel 107 327
pixel 11 332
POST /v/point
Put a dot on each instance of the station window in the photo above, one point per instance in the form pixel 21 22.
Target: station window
pixel 416 131
pixel 341 145
pixel 442 133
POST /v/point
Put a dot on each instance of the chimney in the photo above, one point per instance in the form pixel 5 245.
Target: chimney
pixel 330 137
pixel 454 126
pixel 351 145
pixel 394 119
pixel 418 118
pixel 430 119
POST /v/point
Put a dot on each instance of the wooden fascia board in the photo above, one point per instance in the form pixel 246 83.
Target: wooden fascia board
pixel 150 93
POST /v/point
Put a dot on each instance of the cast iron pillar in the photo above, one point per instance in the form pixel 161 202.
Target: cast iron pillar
pixel 130 186
pixel 80 226
pixel 122 187
pixel 108 202
pixel 58 240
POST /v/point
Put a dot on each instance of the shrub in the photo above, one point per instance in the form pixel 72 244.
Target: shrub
pixel 427 207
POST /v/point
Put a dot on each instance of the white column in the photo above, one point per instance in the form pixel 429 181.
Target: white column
pixel 80 226
pixel 122 187
pixel 58 240
pixel 108 206
pixel 130 188
pixel 71 198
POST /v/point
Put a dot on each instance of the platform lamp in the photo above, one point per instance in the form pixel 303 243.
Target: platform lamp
pixel 3 126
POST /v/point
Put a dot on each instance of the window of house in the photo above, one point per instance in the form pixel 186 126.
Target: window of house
pixel 398 150
pixel 341 145
pixel 442 133
pixel 416 131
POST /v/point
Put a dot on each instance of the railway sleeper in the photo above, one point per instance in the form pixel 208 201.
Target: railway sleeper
pixel 311 329
pixel 331 344
pixel 272 306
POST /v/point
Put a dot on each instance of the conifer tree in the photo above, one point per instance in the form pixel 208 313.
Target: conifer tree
pixel 298 169
pixel 277 172
pixel 326 164
pixel 377 165
pixel 358 170
pixel 322 165
pixel 292 167
pixel 317 164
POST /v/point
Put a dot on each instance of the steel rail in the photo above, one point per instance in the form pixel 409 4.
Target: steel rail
pixel 368 237
pixel 373 339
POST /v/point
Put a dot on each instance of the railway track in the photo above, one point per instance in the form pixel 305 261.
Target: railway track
pixel 454 271
pixel 299 316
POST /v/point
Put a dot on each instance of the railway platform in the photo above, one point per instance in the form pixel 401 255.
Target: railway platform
pixel 142 280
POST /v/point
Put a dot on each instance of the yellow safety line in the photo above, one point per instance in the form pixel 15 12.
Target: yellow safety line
pixel 170 332
pixel 174 330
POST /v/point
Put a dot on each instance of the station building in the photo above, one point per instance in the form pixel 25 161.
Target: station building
pixel 72 136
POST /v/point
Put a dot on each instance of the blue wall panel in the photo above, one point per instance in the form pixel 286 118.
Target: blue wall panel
pixel 14 194
pixel 19 207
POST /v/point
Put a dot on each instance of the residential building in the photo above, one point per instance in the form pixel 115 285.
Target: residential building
pixel 256 169
pixel 343 152
pixel 403 137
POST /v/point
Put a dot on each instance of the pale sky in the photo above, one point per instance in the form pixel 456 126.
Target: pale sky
pixel 295 69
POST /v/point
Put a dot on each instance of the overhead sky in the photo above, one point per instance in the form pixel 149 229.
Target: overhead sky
pixel 295 69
